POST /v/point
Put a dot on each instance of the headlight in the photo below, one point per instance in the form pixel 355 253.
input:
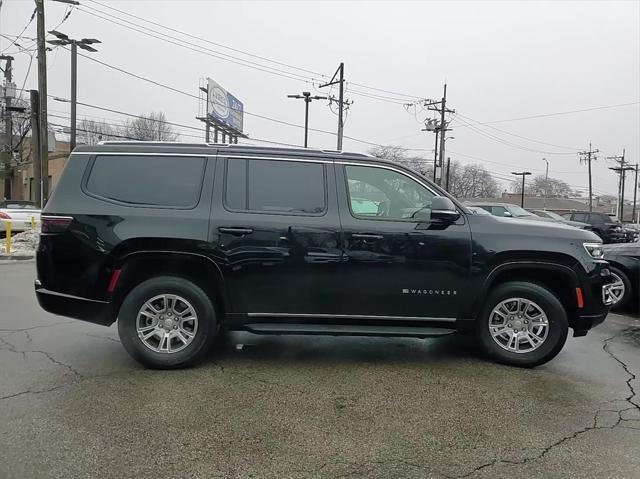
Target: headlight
pixel 595 250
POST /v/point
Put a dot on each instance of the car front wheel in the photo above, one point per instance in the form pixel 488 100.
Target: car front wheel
pixel 167 322
pixel 522 324
pixel 621 289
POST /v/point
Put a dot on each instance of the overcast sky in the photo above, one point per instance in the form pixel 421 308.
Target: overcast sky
pixel 501 61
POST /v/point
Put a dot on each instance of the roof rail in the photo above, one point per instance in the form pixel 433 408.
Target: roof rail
pixel 227 145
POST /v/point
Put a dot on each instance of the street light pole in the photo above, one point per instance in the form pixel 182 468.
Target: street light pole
pixel 306 96
pixel 523 174
pixel 546 185
pixel 63 40
pixel 74 94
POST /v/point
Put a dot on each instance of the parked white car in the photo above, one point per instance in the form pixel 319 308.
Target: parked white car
pixel 22 214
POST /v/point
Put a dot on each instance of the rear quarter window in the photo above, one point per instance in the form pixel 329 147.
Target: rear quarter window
pixel 165 181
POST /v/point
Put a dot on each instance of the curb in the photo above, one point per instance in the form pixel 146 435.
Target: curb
pixel 11 257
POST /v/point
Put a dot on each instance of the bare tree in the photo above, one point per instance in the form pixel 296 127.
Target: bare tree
pixel 150 127
pixel 540 186
pixel 471 181
pixel 399 155
pixel 468 181
pixel 92 132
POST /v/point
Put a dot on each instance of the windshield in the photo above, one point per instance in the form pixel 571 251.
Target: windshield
pixel 477 210
pixel 554 216
pixel 518 211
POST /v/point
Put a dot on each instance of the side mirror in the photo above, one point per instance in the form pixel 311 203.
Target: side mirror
pixel 443 209
pixel 507 214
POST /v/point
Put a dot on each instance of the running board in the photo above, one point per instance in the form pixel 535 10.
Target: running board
pixel 347 330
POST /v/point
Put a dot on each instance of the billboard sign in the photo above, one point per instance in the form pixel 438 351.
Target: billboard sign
pixel 223 106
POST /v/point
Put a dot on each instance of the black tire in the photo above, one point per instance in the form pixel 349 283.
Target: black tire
pixel 205 334
pixel 547 301
pixel 628 289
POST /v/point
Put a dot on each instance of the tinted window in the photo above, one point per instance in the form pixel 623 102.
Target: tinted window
pixel 236 195
pixel 600 218
pixel 579 217
pixel 148 180
pixel 381 193
pixel 276 186
pixel 498 210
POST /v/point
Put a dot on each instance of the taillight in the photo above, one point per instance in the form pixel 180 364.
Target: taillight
pixel 55 224
pixel 4 216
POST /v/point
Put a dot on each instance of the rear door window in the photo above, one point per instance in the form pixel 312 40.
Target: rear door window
pixel 276 186
pixel 580 217
pixel 172 181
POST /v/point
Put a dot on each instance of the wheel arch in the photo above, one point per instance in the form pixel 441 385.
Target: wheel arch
pixel 558 278
pixel 138 266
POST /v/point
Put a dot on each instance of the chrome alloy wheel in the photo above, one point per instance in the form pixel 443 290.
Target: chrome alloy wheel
pixel 167 323
pixel 518 325
pixel 616 289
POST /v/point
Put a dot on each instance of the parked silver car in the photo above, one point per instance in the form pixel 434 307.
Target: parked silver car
pixel 24 215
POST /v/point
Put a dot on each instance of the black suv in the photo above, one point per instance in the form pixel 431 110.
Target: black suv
pixel 601 224
pixel 179 241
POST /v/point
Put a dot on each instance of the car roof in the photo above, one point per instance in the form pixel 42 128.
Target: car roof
pixel 212 149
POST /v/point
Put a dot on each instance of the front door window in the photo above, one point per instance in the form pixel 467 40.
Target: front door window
pixel 379 193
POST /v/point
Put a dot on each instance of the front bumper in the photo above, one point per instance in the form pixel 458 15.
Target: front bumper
pixel 91 310
pixel 597 300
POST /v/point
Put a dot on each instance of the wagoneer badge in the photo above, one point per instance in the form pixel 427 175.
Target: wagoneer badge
pixel 430 292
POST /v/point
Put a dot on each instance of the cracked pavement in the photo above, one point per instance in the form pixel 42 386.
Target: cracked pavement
pixel 74 405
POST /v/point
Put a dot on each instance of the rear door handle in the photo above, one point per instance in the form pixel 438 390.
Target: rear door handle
pixel 235 231
pixel 367 236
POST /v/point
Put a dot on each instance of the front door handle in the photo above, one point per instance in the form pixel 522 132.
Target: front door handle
pixel 235 231
pixel 367 236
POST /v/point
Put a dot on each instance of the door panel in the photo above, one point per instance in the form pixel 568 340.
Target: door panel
pixel 276 233
pixel 396 265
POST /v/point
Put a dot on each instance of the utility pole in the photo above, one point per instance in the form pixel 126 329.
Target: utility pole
pixel 588 156
pixel 447 177
pixel 440 129
pixel 546 185
pixel 341 101
pixel 433 125
pixel 63 40
pixel 306 96
pixel 523 174
pixel 621 170
pixel 341 107
pixel 7 149
pixel 635 196
pixel 42 94
pixel 35 148
pixel 443 125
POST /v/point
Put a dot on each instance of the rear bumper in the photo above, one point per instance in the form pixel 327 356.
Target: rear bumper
pixel 90 310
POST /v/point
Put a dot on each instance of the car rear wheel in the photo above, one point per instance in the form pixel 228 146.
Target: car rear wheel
pixel 167 322
pixel 522 324
pixel 621 289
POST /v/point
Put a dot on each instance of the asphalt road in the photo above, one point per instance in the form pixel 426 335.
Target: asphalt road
pixel 73 405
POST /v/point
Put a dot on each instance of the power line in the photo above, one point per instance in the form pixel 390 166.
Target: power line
pixel 241 61
pixel 256 115
pixel 244 52
pixel 33 15
pixel 561 113
pixel 197 48
pixel 519 136
pixel 509 143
